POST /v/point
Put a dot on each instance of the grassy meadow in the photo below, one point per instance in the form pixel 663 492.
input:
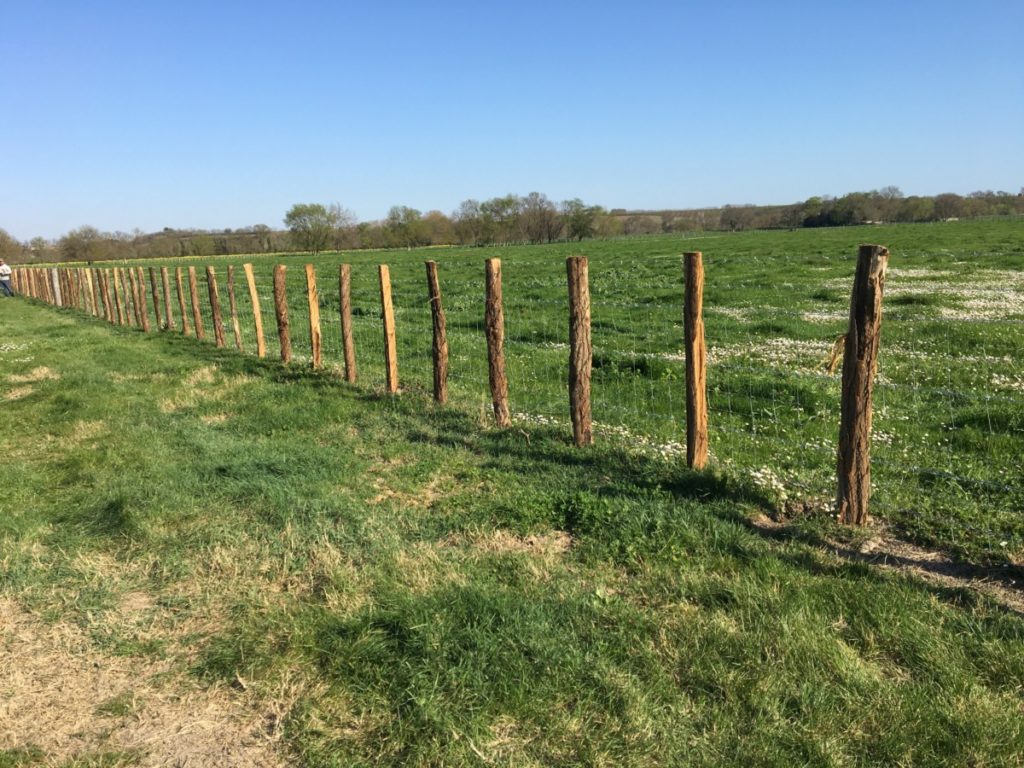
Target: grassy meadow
pixel 387 582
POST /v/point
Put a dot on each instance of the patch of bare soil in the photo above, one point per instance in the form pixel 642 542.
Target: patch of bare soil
pixel 59 695
pixel 890 553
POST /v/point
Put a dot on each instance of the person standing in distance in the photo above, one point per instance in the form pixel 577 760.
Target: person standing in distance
pixel 5 279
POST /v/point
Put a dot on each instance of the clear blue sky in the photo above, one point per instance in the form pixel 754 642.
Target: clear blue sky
pixel 128 115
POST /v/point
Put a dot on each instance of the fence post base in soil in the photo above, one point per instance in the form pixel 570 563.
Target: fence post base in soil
pixel 494 325
pixel 257 314
pixel 860 361
pixel 281 310
pixel 696 363
pixel 580 350
pixel 439 348
pixel 390 342
pixel 347 342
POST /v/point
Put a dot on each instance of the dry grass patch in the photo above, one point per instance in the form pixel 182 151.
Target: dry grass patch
pixel 62 697
pixel 42 373
pixel 203 385
pixel 18 392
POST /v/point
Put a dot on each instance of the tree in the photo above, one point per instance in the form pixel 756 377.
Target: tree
pixel 539 219
pixel 314 225
pixel 82 244
pixel 10 249
pixel 580 219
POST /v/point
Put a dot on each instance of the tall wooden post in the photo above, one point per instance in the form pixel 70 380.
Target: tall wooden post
pixel 440 345
pixel 257 314
pixel 118 297
pixel 57 298
pixel 109 313
pixel 345 307
pixel 313 301
pixel 90 278
pixel 234 308
pixel 494 325
pixel 193 292
pixel 580 349
pixel 156 298
pixel 281 310
pixel 390 341
pixel 140 278
pixel 179 286
pixel 137 307
pixel 696 363
pixel 166 283
pixel 860 361
pixel 218 323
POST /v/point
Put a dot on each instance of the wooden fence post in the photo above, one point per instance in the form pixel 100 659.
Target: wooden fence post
pixel 134 285
pixel 440 345
pixel 257 313
pixel 218 323
pixel 234 308
pixel 56 299
pixel 156 298
pixel 696 363
pixel 179 285
pixel 860 361
pixel 140 279
pixel 345 308
pixel 118 296
pixel 166 283
pixel 494 324
pixel 129 307
pixel 313 301
pixel 197 315
pixel 94 289
pixel 109 313
pixel 390 342
pixel 281 310
pixel 580 350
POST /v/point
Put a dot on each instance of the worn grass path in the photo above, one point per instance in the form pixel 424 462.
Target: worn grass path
pixel 339 579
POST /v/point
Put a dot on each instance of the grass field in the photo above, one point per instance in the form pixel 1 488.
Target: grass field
pixel 377 581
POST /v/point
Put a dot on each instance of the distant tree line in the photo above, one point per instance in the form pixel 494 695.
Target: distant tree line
pixel 506 220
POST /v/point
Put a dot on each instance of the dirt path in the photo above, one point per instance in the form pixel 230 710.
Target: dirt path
pixel 63 699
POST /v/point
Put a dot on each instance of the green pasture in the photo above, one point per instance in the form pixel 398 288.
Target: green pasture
pixel 405 585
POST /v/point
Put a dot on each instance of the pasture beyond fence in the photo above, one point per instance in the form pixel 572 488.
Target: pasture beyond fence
pixel 641 363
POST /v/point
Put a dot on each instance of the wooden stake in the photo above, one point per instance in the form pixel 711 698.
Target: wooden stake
pixel 140 278
pixel 860 362
pixel 390 342
pixel 109 313
pixel 56 298
pixel 281 310
pixel 134 285
pixel 118 297
pixel 218 323
pixel 179 285
pixel 313 301
pixel 197 315
pixel 347 342
pixel 166 283
pixel 494 324
pixel 257 314
pixel 440 346
pixel 580 350
pixel 696 363
pixel 156 298
pixel 234 308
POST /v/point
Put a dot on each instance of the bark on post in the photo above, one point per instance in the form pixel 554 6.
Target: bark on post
pixel 440 345
pixel 166 283
pixel 197 315
pixel 234 308
pixel 136 305
pixel 860 361
pixel 179 285
pixel 108 303
pixel 281 310
pixel 94 290
pixel 143 310
pixel 218 323
pixel 156 298
pixel 494 324
pixel 696 363
pixel 313 301
pixel 580 349
pixel 257 314
pixel 118 297
pixel 129 310
pixel 345 303
pixel 57 298
pixel 390 342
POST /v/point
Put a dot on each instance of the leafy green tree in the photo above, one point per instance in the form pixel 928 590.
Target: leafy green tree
pixel 313 225
pixel 580 219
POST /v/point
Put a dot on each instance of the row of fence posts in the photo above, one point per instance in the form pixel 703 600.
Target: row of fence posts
pixel 119 296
